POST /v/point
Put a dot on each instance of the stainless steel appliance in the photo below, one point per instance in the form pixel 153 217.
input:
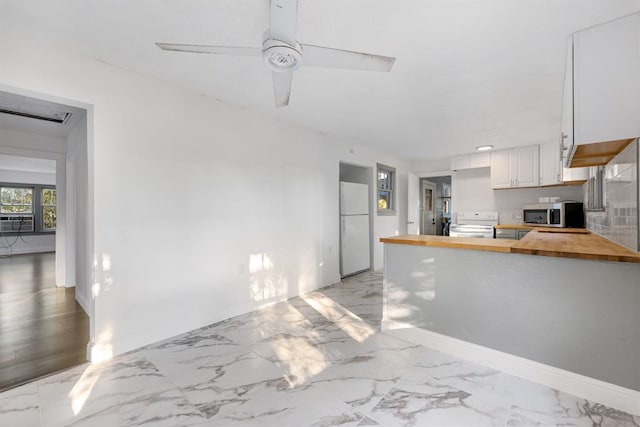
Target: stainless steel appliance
pixel 474 224
pixel 559 214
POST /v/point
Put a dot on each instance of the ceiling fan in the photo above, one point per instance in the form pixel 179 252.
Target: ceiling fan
pixel 282 54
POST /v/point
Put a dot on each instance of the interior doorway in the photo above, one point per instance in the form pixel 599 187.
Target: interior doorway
pixel 46 306
pixel 435 205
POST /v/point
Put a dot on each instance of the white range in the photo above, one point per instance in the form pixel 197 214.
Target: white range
pixel 474 224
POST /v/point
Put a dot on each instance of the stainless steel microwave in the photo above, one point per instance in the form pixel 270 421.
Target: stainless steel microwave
pixel 560 214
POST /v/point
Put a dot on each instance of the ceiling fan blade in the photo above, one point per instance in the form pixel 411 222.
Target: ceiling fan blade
pixel 218 50
pixel 282 88
pixel 319 56
pixel 284 16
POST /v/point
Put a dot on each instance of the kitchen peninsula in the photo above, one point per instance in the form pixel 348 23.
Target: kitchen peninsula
pixel 547 307
pixel 558 242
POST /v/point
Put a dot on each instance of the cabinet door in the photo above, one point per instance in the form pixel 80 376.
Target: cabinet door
pixel 502 169
pixel 460 162
pixel 505 233
pixel 607 81
pixel 550 164
pixel 527 166
pixel 480 160
pixel 567 103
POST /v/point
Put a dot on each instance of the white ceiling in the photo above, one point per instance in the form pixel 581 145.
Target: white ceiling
pixel 468 72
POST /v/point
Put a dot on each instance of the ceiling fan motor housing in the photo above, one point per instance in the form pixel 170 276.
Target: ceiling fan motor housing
pixel 280 56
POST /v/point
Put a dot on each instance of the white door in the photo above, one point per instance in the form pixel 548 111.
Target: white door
pixel 413 208
pixel 355 243
pixel 428 208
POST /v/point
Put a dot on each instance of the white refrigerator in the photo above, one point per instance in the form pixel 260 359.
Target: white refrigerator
pixel 354 228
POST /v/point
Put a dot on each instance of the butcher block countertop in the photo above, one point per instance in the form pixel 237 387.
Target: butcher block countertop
pixel 557 242
pixel 515 227
pixel 493 245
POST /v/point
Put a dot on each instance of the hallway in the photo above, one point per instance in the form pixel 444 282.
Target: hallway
pixel 42 328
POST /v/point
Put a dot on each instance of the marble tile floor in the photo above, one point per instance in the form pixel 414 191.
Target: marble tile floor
pixel 316 360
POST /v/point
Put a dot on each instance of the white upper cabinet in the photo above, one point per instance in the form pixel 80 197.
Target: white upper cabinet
pixel 480 160
pixel 552 171
pixel 501 169
pixel 527 162
pixel 550 164
pixel 606 81
pixel 471 161
pixel 518 167
pixel 460 162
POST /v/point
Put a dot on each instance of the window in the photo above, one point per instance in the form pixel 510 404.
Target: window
pixel 386 187
pixel 16 200
pixel 26 208
pixel 48 204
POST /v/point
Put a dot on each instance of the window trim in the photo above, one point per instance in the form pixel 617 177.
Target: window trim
pixel 43 206
pixel 392 210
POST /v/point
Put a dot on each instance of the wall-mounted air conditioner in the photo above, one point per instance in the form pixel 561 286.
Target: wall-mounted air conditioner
pixel 16 223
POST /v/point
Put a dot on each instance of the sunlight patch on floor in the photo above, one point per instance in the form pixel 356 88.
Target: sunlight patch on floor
pixel 346 320
pixel 82 389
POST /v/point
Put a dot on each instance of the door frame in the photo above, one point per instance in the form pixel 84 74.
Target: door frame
pixel 424 185
pixel 68 265
pixel 434 174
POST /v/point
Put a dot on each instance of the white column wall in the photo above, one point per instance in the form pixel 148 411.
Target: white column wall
pixel 78 212
pixel 201 211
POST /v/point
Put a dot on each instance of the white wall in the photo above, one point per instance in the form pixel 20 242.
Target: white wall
pixel 27 177
pixel 78 206
pixel 471 190
pixel 430 165
pixel 13 245
pixel 32 141
pixel 201 211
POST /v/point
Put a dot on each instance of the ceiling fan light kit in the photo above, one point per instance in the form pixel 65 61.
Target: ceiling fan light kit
pixel 280 57
pixel 282 54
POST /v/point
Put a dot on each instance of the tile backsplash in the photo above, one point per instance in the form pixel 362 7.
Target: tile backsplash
pixel 619 221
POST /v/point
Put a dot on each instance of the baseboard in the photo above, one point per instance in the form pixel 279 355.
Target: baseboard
pixel 612 395
pixel 84 303
pixel 29 250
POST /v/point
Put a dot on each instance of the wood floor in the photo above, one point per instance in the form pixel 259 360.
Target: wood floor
pixel 42 328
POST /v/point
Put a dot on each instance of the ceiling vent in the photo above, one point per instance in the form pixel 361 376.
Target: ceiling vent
pixel 60 117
